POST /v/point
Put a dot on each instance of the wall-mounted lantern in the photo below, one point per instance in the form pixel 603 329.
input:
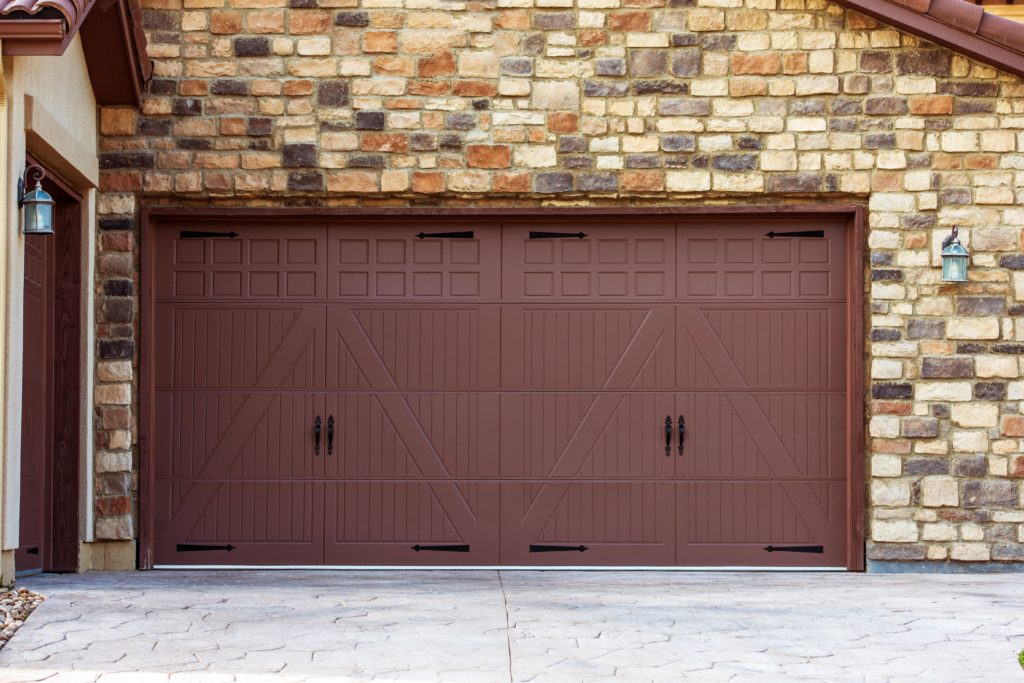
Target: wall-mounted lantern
pixel 36 204
pixel 954 259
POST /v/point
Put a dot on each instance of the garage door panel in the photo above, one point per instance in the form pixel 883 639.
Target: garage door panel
pixel 725 263
pixel 733 523
pixel 767 346
pixel 261 263
pixel 384 522
pixel 618 523
pixel 582 347
pixel 725 435
pixel 265 522
pixel 229 347
pixel 414 347
pixel 613 261
pixel 546 435
pixel 275 441
pixel 388 261
pixel 412 435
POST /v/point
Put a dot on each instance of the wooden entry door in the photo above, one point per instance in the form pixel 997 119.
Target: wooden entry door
pixel 50 410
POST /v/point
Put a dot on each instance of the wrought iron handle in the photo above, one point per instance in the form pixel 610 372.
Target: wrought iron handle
pixel 330 435
pixel 316 436
pixel 682 433
pixel 668 435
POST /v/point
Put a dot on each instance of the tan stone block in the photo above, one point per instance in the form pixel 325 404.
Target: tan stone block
pixel 970 552
pixel 897 531
pixel 939 531
pixel 886 465
pixel 975 415
pixel 973 328
pixel 563 95
pixel 688 181
pixel 996 366
pixel 394 181
pixel 884 427
pixel 974 441
pixel 890 493
pixel 469 181
pixel 995 239
pixel 940 492
pixel 225 22
pixel 114 371
pixel 114 394
pixel 535 156
pixel 117 121
pixel 705 19
pixel 738 182
pixel 943 391
pixel 481 64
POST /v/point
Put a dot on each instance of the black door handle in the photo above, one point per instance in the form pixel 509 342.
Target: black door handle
pixel 682 433
pixel 330 435
pixel 668 435
pixel 316 436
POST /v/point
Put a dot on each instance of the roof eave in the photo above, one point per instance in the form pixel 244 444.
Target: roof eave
pixel 33 37
pixel 923 25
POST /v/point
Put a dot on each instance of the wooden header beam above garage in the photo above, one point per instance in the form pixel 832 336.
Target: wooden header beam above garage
pixel 112 37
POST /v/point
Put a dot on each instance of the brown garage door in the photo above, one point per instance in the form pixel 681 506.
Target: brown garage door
pixel 357 394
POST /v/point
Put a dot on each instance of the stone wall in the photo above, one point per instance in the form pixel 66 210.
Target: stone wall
pixel 627 102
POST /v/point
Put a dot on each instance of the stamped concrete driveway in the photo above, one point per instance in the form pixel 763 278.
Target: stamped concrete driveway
pixel 485 626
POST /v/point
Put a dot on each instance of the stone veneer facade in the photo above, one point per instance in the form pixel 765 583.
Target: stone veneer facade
pixel 619 102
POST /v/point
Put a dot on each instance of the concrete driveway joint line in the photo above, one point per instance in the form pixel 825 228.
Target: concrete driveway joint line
pixel 486 626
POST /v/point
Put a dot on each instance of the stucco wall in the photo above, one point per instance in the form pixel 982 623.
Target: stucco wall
pixel 625 102
pixel 51 114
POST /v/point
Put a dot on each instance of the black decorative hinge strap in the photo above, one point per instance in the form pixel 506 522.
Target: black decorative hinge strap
pixel 442 548
pixel 202 234
pixel 795 548
pixel 541 235
pixel 464 235
pixel 796 233
pixel 191 548
pixel 34 550
pixel 557 548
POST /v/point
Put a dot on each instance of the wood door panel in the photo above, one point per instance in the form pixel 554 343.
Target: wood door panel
pixel 542 432
pixel 732 523
pixel 387 261
pixel 617 261
pixel 269 522
pixel 619 523
pixel 442 435
pixel 262 263
pixel 566 347
pixel 731 263
pixel 382 522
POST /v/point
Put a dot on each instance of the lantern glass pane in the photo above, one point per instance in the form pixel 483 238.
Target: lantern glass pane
pixel 38 218
pixel 954 268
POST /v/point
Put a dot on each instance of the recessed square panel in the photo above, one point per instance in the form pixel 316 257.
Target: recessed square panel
pixel 650 284
pixel 465 251
pixel 264 284
pixel 739 284
pixel 426 251
pixel 353 251
pixel 611 251
pixel 575 284
pixel 390 284
pixel 776 251
pixel 189 251
pixel 426 284
pixel 650 251
pixel 227 284
pixel 188 284
pixel 301 251
pixel 701 284
pixel 390 251
pixel 352 284
pixel 612 284
pixel 701 251
pixel 739 251
pixel 814 283
pixel 539 251
pixel 263 251
pixel 538 284
pixel 300 284
pixel 777 283
pixel 574 251
pixel 465 284
pixel 813 251
pixel 227 251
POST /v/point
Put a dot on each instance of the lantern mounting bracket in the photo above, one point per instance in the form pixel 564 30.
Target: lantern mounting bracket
pixel 37 173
